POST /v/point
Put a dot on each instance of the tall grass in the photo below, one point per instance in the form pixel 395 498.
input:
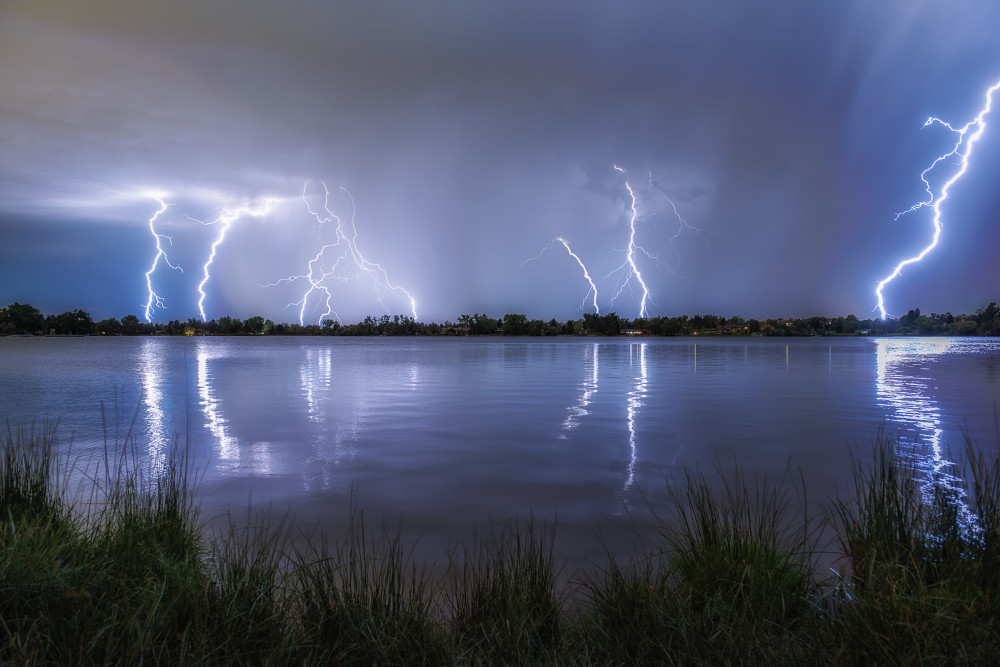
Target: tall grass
pixel 728 581
pixel 97 584
pixel 26 468
pixel 247 610
pixel 362 601
pixel 924 585
pixel 133 576
pixel 504 608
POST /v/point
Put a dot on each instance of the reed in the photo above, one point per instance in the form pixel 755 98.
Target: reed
pixel 27 485
pixel 923 583
pixel 503 607
pixel 363 601
pixel 133 576
pixel 727 581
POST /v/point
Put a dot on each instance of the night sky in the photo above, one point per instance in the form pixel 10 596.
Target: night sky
pixel 470 135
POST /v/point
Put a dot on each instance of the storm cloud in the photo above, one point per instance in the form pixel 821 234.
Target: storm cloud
pixel 470 135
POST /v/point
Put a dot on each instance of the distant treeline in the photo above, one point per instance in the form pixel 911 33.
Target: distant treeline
pixel 19 318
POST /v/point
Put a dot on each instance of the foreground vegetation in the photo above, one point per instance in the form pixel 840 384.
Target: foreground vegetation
pixel 19 318
pixel 120 570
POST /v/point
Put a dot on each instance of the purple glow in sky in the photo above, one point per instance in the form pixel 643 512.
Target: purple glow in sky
pixel 471 134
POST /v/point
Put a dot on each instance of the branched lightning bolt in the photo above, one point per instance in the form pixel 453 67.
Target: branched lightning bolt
pixel 586 274
pixel 683 225
pixel 629 268
pixel 968 135
pixel 371 267
pixel 156 301
pixel 321 268
pixel 225 220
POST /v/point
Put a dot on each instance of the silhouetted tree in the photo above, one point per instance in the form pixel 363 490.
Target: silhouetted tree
pixel 988 319
pixel 130 324
pixel 72 322
pixel 229 325
pixel 108 327
pixel 254 325
pixel 602 325
pixel 483 324
pixel 514 324
pixel 21 318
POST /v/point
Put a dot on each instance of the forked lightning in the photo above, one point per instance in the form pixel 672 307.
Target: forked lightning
pixel 968 136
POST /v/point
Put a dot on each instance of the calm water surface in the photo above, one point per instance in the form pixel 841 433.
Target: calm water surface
pixel 447 432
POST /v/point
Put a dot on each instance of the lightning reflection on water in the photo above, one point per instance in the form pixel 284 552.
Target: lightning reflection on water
pixel 904 386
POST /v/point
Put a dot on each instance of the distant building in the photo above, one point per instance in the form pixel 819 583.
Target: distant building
pixel 727 330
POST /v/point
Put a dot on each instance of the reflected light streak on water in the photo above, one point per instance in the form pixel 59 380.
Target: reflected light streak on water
pixel 588 388
pixel 331 442
pixel 226 447
pixel 906 394
pixel 151 378
pixel 315 376
pixel 637 359
pixel 449 431
pixel 414 377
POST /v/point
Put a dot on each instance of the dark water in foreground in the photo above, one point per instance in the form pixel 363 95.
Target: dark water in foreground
pixel 447 432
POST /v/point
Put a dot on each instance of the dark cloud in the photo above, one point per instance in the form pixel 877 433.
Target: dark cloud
pixel 471 134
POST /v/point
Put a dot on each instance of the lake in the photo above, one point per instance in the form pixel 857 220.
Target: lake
pixel 448 433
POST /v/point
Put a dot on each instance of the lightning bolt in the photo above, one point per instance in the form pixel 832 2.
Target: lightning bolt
pixel 156 301
pixel 683 225
pixel 315 275
pixel 968 136
pixel 586 274
pixel 226 220
pixel 629 268
pixel 322 268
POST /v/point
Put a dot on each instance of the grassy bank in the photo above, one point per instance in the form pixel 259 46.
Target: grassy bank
pixel 125 574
